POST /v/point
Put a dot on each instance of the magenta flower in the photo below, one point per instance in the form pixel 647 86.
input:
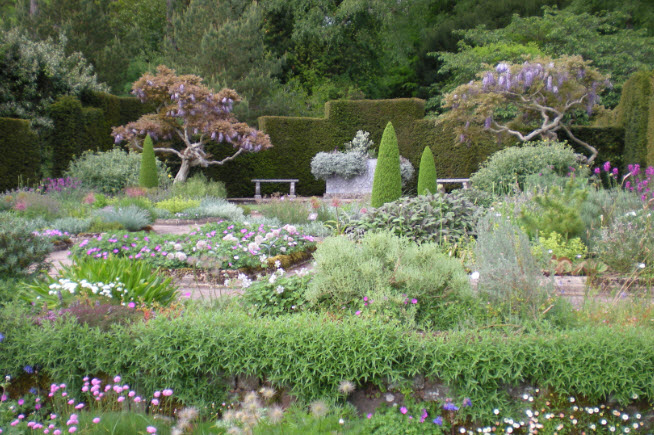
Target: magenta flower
pixel 414 301
pixel 597 171
pixel 358 313
pixel 607 166
pixel 167 392
pixel 151 429
pixel 403 410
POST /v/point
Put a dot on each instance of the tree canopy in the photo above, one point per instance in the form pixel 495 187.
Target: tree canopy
pixel 188 111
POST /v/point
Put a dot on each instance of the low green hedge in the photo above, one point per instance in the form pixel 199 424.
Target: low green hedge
pixel 194 355
pixel 20 157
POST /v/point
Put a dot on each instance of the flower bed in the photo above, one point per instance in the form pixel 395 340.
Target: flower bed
pixel 223 245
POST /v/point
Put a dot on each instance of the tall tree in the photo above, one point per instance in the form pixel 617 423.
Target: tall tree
pixel 188 111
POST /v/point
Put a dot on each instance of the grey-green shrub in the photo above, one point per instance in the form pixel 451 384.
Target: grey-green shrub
pixel 132 218
pixel 427 218
pixel 216 207
pixel 71 225
pixel 627 244
pixel 112 171
pixel 198 187
pixel 509 275
pixel 338 164
pixel 403 280
pixel 506 170
pixel 602 206
pixel 19 247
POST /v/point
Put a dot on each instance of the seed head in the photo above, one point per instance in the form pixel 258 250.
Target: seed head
pixel 319 409
pixel 275 414
pixel 267 393
pixel 346 387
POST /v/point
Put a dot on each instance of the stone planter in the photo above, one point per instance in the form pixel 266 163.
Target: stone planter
pixel 356 187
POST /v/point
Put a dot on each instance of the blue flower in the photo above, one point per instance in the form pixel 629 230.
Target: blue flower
pixel 466 402
pixel 438 420
pixel 28 369
pixel 34 391
pixel 449 406
pixel 2 337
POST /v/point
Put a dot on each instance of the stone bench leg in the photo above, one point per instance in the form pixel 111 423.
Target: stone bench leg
pixel 292 195
pixel 257 190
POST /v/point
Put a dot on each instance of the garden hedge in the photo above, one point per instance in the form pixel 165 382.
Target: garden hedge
pixel 296 140
pixel 195 355
pixel 636 114
pixel 20 157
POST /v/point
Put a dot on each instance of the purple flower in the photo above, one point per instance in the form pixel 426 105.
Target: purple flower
pixel 28 369
pixel 467 402
pixel 597 171
pixel 2 337
pixel 414 301
pixel 449 406
pixel 607 166
pixel 615 171
pixel 438 420
pixel 403 410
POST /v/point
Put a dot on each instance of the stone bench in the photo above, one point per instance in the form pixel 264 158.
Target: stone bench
pixel 257 186
pixel 463 181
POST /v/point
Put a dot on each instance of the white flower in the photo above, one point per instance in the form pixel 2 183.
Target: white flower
pixel 180 256
pixel 474 275
pixel 236 257
pixel 177 247
pixel 641 266
pixel 313 216
pixel 279 289
pixel 272 278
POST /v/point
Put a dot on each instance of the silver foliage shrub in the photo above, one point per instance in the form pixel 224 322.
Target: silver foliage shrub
pixel 132 218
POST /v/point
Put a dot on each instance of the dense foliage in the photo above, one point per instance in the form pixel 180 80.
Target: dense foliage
pixel 387 182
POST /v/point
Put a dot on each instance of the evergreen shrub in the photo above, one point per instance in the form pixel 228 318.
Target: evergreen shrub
pixel 387 183
pixel 427 174
pixel 20 159
pixel 505 171
pixel 19 247
pixel 148 172
pixel 636 115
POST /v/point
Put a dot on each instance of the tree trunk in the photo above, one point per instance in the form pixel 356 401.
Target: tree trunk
pixel 182 174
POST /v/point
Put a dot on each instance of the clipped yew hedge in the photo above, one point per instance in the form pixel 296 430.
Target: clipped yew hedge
pixel 20 157
pixel 636 115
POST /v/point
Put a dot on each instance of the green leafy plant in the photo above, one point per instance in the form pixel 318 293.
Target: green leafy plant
pixel 427 218
pixel 506 170
pixel 557 210
pixel 215 207
pixel 198 187
pixel 177 204
pixel 71 225
pixel 277 294
pixel 427 173
pixel 387 183
pixel 555 245
pixel 148 170
pixel 117 280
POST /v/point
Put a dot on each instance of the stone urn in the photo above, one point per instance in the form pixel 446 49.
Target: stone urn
pixel 356 187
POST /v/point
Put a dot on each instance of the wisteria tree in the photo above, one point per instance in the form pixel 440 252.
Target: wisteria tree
pixel 190 111
pixel 534 99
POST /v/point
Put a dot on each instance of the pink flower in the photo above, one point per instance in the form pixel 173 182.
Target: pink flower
pixel 167 392
pixel 155 402
pixel 607 166
pixel 131 305
pixel 96 420
pixel 117 379
pixel 403 410
pixel 151 429
pixel 20 402
pixel 369 416
pixel 79 406
pixel 358 313
pixel 121 399
pixel 72 429
pixel 71 401
pixel 414 301
pixel 157 393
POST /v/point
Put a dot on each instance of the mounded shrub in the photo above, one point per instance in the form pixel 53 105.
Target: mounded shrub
pixel 111 171
pixel 506 170
pixel 427 173
pixel 427 218
pixel 19 247
pixel 148 171
pixel 387 183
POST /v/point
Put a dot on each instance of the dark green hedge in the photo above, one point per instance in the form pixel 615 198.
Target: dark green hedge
pixel 297 140
pixel 85 124
pixel 195 355
pixel 635 115
pixel 609 142
pixel 20 158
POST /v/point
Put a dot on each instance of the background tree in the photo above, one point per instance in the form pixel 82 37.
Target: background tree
pixel 609 41
pixel 387 182
pixel 34 74
pixel 191 112
pixel 427 179
pixel 529 100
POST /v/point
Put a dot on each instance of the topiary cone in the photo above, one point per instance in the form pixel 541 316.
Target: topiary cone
pixel 148 175
pixel 387 183
pixel 427 180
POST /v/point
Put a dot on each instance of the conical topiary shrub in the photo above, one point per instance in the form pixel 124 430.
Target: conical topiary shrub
pixel 148 175
pixel 387 184
pixel 427 180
